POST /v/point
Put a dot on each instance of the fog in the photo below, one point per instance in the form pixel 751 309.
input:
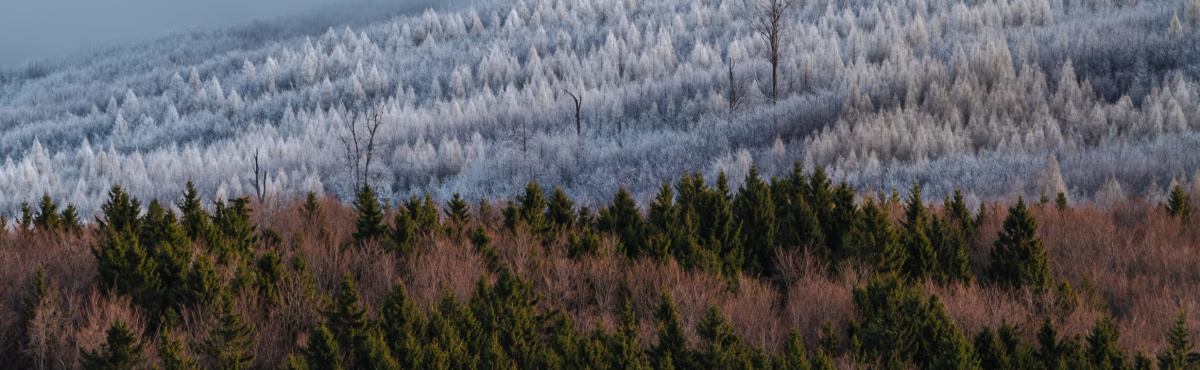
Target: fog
pixel 32 30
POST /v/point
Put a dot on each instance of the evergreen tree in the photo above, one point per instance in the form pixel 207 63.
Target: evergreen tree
pixel 957 354
pixel 663 223
pixel 457 211
pixel 47 218
pixel 270 275
pixel 623 219
pixel 404 231
pixel 922 259
pixel 672 349
pixel 1102 349
pixel 561 211
pixel 843 217
pixel 755 213
pixel 120 213
pixel 70 219
pixel 374 354
pixel 1179 346
pixel 992 353
pixel 311 210
pixel 228 344
pixel 121 351
pixel 1142 361
pixel 874 241
pixel 346 319
pixel 170 353
pixel 195 219
pixel 1018 259
pixel 798 225
pixel 203 284
pixel 1061 203
pixel 369 225
pixel 402 325
pixel 322 351
pixel 723 348
pixel 958 215
pixel 626 348
pixel 1180 205
pixel 26 217
pixel 532 209
pixel 795 355
pixel 235 233
pixel 725 238
pixel 951 249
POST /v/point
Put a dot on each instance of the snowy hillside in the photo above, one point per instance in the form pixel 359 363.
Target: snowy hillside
pixel 478 100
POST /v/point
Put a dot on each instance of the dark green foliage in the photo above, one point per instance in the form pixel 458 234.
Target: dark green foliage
pixel 424 215
pixel 195 221
pixel 403 326
pixel 322 351
pixel 1102 349
pixel 270 275
pixel 672 349
pixel 404 232
pixel 957 354
pixel 347 319
pixel 795 355
pixel 128 268
pixel 70 219
pixel 561 211
pixel 623 219
pixel 992 353
pixel 1179 346
pixel 1142 361
pixel 755 212
pixel 530 210
pixel 873 240
pixel 311 210
pixel 1061 203
pixel 626 348
pixel 958 215
pixel 203 283
pixel 830 341
pixel 229 342
pixel 47 218
pixel 950 246
pixel 842 219
pixel 374 354
pixel 663 225
pixel 1179 205
pixel 584 244
pixel 922 259
pixel 26 216
pixel 234 235
pixel 1018 259
pixel 369 225
pixel 457 211
pixel 120 213
pixel 900 326
pixel 722 347
pixel 170 353
pixel 798 224
pixel 121 350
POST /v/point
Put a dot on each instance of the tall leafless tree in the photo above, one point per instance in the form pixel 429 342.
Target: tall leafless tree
pixel 260 179
pixel 735 94
pixel 578 114
pixel 767 19
pixel 359 142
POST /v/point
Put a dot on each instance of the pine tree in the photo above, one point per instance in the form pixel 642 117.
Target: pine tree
pixel 1179 346
pixel 921 261
pixel 1180 205
pixel 47 218
pixel 1102 349
pixel 755 213
pixel 203 284
pixel 195 219
pixel 121 351
pixel 672 348
pixel 457 211
pixel 723 348
pixel 404 231
pixel 798 224
pixel 70 219
pixel 623 219
pixel 532 209
pixel 795 355
pixel 663 224
pixel 374 354
pixel 957 354
pixel 311 210
pixel 346 319
pixel 626 348
pixel 874 241
pixel 1060 202
pixel 170 353
pixel 26 217
pixel 1047 337
pixel 228 344
pixel 992 353
pixel 951 248
pixel 369 225
pixel 1018 259
pixel 402 325
pixel 322 351
pixel 561 211
pixel 845 214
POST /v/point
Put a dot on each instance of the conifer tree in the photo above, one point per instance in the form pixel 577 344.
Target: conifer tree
pixel 322 351
pixel 626 348
pixel 1060 202
pixel 798 224
pixel 951 249
pixel 1047 337
pixel 1180 205
pixel 228 344
pixel 203 284
pixel 402 325
pixel 26 217
pixel 922 259
pixel 845 214
pixel 672 349
pixel 195 219
pixel 1142 362
pixel 70 219
pixel 1018 259
pixel 873 240
pixel 992 353
pixel 756 217
pixel 346 319
pixel 457 211
pixel 120 213
pixel 795 355
pixel 170 353
pixel 561 211
pixel 623 219
pixel 725 237
pixel 404 231
pixel 958 215
pixel 369 225
pixel 424 214
pixel 121 350
pixel 532 209
pixel 663 224
pixel 1179 346
pixel 722 347
pixel 1102 349
pixel 47 217
pixel 236 232
pixel 374 354
pixel 311 210
pixel 957 354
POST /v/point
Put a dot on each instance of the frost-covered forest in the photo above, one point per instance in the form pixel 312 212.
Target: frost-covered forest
pixel 1094 98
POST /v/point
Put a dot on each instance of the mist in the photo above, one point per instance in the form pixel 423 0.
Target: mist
pixel 35 30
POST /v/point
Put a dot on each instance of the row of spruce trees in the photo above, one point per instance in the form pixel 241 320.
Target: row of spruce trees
pixel 146 254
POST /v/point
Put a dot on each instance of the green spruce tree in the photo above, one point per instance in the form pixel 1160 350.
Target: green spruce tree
pixel 1018 258
pixel 121 351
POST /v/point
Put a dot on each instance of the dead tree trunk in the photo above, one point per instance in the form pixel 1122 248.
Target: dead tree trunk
pixel 260 179
pixel 770 24
pixel 578 114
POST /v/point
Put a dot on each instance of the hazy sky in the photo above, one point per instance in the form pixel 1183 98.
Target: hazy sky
pixel 39 29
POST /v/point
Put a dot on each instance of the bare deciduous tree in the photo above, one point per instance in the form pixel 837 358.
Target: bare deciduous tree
pixel 359 143
pixel 260 179
pixel 735 94
pixel 578 116
pixel 767 20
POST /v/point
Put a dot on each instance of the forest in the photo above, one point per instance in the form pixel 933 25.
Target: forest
pixel 592 96
pixel 789 272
